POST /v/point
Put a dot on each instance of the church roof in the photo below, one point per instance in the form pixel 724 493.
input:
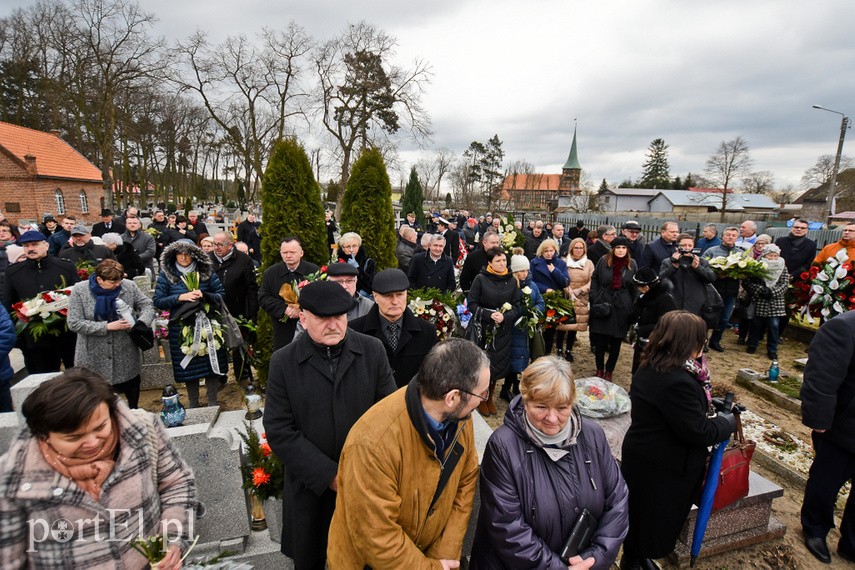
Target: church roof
pixel 531 182
pixel 572 160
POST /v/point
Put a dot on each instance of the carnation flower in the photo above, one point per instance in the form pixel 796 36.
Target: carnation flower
pixel 260 476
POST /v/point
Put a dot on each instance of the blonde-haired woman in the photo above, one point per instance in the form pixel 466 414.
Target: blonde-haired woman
pixel 580 269
pixel 350 251
pixel 541 468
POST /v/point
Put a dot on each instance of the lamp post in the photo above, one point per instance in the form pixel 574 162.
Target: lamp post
pixel 844 124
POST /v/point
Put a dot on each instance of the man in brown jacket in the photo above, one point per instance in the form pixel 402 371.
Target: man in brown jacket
pixel 408 469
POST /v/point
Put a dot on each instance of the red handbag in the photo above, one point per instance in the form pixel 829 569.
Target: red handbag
pixel 735 467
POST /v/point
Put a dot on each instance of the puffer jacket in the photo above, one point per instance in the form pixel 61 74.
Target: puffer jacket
pixel 580 280
pixel 169 287
pixel 529 502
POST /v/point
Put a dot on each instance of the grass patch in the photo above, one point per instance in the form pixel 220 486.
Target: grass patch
pixel 787 384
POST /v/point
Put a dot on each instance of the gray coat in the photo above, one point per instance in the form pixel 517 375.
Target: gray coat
pixel 110 353
pixel 144 244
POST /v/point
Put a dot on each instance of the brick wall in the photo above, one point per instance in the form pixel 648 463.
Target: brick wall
pixel 35 196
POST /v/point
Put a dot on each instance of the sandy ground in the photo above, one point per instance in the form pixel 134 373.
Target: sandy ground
pixel 788 552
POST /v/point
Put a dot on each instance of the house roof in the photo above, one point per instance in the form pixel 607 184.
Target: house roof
pixel 845 180
pixel 55 158
pixel 531 182
pixel 572 160
pixel 711 190
pixel 735 202
pixel 633 191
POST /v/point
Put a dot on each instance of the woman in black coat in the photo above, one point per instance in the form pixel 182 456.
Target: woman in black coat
pixel 654 300
pixel 612 286
pixel 496 293
pixel 666 448
pixel 541 468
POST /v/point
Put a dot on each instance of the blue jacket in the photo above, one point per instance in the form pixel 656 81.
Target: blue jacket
pixel 556 279
pixel 7 343
pixel 519 336
pixel 704 243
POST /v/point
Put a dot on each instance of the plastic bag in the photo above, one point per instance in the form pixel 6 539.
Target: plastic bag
pixel 598 398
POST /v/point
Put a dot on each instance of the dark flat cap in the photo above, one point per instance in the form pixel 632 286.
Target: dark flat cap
pixel 390 281
pixel 79 229
pixel 31 236
pixel 341 268
pixel 631 225
pixel 325 299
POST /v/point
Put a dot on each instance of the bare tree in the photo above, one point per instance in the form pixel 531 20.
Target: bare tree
pixel 820 173
pixel 730 160
pixel 759 182
pixel 432 170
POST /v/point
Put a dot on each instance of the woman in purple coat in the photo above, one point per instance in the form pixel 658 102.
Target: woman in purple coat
pixel 540 470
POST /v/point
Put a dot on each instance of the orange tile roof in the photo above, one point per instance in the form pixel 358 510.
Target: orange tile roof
pixel 55 158
pixel 531 182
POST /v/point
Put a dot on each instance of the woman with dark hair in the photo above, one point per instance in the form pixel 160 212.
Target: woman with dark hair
pixel 496 293
pixel 82 454
pixel 612 297
pixel 181 264
pixel 654 300
pixel 665 450
pixel 104 344
pixel 541 468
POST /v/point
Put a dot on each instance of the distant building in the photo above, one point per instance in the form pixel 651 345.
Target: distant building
pixel 689 202
pixel 625 199
pixel 814 201
pixel 40 173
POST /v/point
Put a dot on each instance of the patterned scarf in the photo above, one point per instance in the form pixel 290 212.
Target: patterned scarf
pixel 699 369
pixel 89 474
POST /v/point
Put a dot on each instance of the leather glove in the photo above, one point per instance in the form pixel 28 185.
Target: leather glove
pixel 718 404
pixel 765 293
pixel 731 421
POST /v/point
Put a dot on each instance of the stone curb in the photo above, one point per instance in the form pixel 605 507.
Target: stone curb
pixel 748 378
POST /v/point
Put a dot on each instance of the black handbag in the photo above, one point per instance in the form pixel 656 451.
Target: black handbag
pixel 142 335
pixel 712 307
pixel 475 329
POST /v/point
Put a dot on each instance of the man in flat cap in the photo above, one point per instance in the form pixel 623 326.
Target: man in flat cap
pixel 24 280
pixel 83 248
pixel 406 337
pixel 631 230
pixel 346 275
pixel 318 386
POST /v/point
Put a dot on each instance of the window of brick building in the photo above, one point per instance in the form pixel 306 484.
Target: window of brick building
pixel 84 202
pixel 60 201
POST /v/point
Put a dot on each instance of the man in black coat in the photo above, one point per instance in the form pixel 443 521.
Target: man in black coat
pixel 797 249
pixel 534 239
pixel 83 248
pixel 662 248
pixel 24 280
pixel 407 338
pixel 605 237
pixel 433 268
pixel 318 387
pixel 107 224
pixel 247 232
pixel 452 239
pixel 828 408
pixel 477 260
pixel 293 269
pixel 237 274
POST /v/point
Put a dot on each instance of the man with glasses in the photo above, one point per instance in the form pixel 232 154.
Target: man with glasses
pixel 237 274
pixel 142 242
pixel 605 235
pixel 797 249
pixel 407 473
pixel 631 230
pixel 407 338
pixel 346 275
pixel 846 241
pixel 727 287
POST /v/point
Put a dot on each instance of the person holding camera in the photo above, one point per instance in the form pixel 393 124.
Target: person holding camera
pixel 654 300
pixel 688 274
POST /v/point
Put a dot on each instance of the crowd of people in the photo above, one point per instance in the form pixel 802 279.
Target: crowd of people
pixel 380 462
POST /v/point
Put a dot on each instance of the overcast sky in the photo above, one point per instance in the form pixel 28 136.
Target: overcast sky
pixel 692 73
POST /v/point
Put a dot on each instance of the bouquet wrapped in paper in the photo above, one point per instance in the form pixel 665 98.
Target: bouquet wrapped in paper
pixel 739 265
pixel 44 314
pixel 436 308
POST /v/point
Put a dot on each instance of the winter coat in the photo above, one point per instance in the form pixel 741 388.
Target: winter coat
pixel 520 352
pixel 798 253
pixel 597 251
pixel 367 269
pixel 532 243
pixel 704 244
pixel 386 520
pixel 166 292
pixel 415 340
pixel 30 489
pixel 688 283
pixel 726 286
pixel 828 390
pixel 621 300
pixel 774 306
pixel 7 343
pixel 130 260
pixel 247 232
pixel 650 307
pixel 174 234
pixel 101 228
pixel 425 273
pixel 268 297
pixel 237 274
pixel 144 244
pixel 663 457
pixel 475 262
pixel 580 279
pixel 529 502
pixel 654 252
pixel 112 354
pixel 452 245
pixel 89 252
pixel 404 252
pixel 832 249
pixel 489 292
pixel 58 240
pixel 308 415
pixel 557 279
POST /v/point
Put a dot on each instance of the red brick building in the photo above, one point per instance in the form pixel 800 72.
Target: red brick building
pixel 41 173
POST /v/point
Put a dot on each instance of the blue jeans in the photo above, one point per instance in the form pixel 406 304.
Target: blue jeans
pixel 724 323
pixel 769 324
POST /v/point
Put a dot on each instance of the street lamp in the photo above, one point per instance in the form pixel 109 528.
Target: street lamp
pixel 844 124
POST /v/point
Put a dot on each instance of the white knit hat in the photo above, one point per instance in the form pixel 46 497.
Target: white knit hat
pixel 519 263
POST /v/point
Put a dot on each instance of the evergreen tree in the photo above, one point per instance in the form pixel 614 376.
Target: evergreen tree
pixel 603 186
pixel 448 200
pixel 367 208
pixel 656 172
pixel 413 198
pixel 689 182
pixel 678 183
pixel 292 207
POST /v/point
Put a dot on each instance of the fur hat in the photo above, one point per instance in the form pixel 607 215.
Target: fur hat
pixel 620 240
pixel 519 263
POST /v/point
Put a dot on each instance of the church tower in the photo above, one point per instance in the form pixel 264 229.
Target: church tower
pixel 571 172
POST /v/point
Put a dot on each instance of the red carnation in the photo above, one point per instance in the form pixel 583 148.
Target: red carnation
pixel 260 477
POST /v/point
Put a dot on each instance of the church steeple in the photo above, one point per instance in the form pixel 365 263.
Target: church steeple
pixel 571 172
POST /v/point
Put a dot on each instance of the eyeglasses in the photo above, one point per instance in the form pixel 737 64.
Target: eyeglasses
pixel 219 244
pixel 800 227
pixel 350 281
pixel 482 396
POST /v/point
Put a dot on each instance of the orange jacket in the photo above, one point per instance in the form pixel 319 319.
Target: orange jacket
pixel 831 250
